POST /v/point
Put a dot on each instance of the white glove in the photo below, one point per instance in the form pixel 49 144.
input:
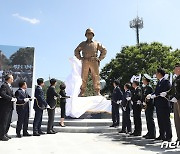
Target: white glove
pixel 144 104
pixel 33 97
pixel 163 94
pixel 128 98
pixel 132 102
pixel 174 100
pixel 48 107
pixel 148 96
pixel 153 96
pixel 55 97
pixel 124 108
pixel 119 102
pixel 14 99
pixel 26 99
pixel 139 102
pixel 106 96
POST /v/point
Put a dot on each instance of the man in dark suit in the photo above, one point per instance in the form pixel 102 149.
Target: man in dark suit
pixel 39 105
pixel 22 109
pixel 149 107
pixel 51 100
pixel 137 107
pixel 176 100
pixel 126 108
pixel 162 106
pixel 6 107
pixel 116 98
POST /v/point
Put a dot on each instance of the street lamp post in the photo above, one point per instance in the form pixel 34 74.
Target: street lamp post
pixel 136 24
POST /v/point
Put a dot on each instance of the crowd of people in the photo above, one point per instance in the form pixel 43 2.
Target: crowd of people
pixel 21 98
pixel 137 97
pixel 133 97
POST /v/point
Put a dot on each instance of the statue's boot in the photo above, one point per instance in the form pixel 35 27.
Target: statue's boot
pixel 82 93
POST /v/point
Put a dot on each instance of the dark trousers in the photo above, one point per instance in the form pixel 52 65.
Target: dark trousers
pixel 149 112
pixel 177 118
pixel 63 109
pixel 51 114
pixel 126 121
pixel 5 120
pixel 137 118
pixel 164 123
pixel 37 120
pixel 23 119
pixel 115 113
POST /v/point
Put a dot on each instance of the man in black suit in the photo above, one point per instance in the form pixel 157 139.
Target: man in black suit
pixel 126 108
pixel 39 105
pixel 6 107
pixel 162 106
pixel 51 100
pixel 22 109
pixel 116 99
pixel 137 107
pixel 149 107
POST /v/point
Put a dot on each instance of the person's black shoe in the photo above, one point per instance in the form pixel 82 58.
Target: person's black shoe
pixel 169 140
pixel 62 125
pixel 54 131
pixel 7 136
pixel 4 138
pixel 113 125
pixel 144 136
pixel 18 135
pixel 159 138
pixel 122 131
pixel 132 134
pixel 26 134
pixel 41 133
pixel 150 137
pixel 50 132
pixel 36 134
pixel 117 125
pixel 137 134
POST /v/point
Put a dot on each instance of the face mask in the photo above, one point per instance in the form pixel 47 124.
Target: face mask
pixel 143 85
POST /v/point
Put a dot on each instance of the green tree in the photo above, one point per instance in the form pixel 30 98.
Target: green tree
pixel 90 89
pixel 24 56
pixel 133 60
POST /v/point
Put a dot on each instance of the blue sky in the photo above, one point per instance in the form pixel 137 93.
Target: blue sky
pixel 56 27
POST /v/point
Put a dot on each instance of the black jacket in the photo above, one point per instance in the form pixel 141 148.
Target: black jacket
pixel 51 93
pixel 21 95
pixel 136 95
pixel 145 91
pixel 162 86
pixel 63 94
pixel 175 90
pixel 6 93
pixel 125 102
pixel 39 94
pixel 116 95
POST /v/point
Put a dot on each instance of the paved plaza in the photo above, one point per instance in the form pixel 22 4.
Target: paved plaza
pixel 84 143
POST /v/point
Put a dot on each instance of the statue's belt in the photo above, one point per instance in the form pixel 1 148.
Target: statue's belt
pixel 90 58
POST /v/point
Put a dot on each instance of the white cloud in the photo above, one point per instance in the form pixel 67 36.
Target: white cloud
pixel 30 20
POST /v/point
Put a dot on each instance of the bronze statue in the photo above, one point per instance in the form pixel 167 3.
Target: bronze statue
pixel 87 52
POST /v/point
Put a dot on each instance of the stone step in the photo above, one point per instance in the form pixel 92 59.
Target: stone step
pixel 74 129
pixel 79 122
pixel 82 122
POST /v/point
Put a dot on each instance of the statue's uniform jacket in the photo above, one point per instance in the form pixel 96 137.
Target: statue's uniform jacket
pixel 88 53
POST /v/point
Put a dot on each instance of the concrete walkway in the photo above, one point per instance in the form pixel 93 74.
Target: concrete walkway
pixel 81 143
